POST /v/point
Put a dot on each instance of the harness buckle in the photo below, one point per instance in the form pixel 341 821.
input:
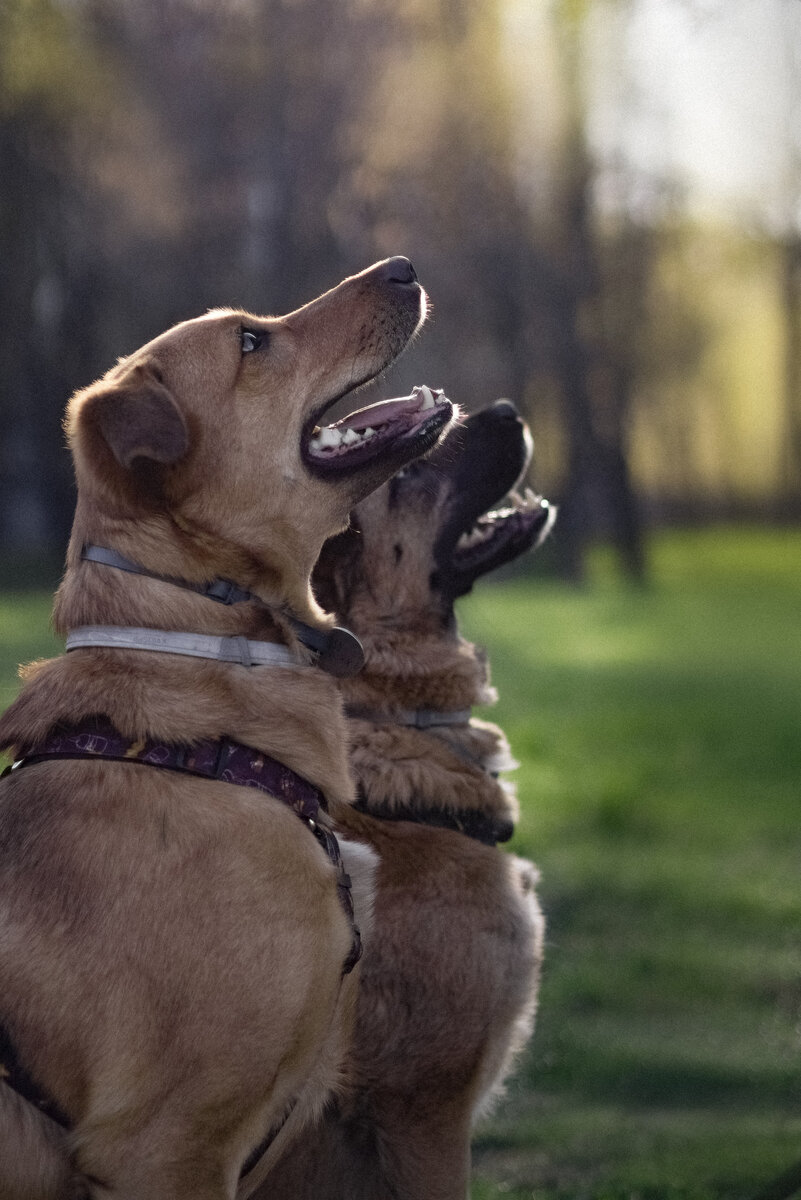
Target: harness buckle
pixel 225 591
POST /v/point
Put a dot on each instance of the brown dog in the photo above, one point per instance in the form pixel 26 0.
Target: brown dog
pixel 171 946
pixel 449 981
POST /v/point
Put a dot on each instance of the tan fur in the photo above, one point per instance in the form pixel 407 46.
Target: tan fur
pixel 171 949
pixel 448 989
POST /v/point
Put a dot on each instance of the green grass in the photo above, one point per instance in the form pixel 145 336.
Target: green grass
pixel 24 635
pixel 660 777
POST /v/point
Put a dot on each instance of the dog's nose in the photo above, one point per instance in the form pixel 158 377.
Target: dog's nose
pixel 505 408
pixel 397 270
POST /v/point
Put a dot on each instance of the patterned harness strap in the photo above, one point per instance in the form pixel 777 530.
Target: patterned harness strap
pixel 219 758
pixel 223 759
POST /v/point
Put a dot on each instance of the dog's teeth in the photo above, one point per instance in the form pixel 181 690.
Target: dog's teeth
pixel 531 499
pixel 368 432
pixel 332 437
pixel 428 398
pixel 328 437
pixel 349 437
pixel 474 537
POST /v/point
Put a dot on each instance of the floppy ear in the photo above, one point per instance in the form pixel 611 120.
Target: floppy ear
pixel 137 418
pixel 336 572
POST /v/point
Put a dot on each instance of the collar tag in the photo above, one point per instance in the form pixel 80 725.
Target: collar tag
pixel 342 655
pixel 339 652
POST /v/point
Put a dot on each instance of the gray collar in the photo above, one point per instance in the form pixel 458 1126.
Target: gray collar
pixel 194 645
pixel 337 651
pixel 417 718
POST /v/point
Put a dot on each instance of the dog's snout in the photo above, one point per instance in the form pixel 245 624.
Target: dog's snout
pixel 505 408
pixel 397 270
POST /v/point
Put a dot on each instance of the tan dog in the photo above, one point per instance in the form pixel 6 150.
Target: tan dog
pixel 449 981
pixel 172 947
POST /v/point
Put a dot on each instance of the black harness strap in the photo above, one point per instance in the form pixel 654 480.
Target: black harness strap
pixel 477 825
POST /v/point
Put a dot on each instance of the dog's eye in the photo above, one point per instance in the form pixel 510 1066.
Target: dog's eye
pixel 250 340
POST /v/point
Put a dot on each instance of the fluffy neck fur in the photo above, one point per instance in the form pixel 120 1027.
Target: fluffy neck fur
pixel 293 714
pixel 446 767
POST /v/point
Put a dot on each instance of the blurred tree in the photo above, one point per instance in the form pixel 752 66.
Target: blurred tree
pixel 43 81
pixel 790 259
pixel 162 157
pixel 600 279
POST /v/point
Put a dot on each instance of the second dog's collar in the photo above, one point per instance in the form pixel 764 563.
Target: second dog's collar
pixel 416 718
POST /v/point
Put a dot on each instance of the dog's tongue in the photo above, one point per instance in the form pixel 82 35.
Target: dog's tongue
pixel 420 400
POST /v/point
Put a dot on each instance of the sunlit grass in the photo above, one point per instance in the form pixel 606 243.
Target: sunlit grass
pixel 660 779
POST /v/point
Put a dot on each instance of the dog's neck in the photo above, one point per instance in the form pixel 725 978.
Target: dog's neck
pixel 407 669
pixel 91 594
pixel 448 767
pixel 181 699
pixel 335 651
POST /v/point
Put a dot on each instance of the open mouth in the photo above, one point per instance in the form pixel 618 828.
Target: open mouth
pixel 405 427
pixel 504 533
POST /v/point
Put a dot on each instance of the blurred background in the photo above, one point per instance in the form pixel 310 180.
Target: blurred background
pixel 603 199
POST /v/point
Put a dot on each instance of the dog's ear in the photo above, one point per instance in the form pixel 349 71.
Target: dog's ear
pixel 337 570
pixel 137 418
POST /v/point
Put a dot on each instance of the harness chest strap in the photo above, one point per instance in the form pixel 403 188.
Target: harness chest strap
pixel 481 827
pixel 220 758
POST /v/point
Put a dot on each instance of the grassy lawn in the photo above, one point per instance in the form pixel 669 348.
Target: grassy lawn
pixel 658 735
pixel 660 779
pixel 24 635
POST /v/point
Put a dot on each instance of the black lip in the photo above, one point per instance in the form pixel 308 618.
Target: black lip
pixel 399 325
pixel 512 534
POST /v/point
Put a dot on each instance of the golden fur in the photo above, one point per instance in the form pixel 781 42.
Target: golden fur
pixel 448 989
pixel 171 949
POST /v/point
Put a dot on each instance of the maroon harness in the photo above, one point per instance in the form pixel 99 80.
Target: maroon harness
pixel 219 758
pixel 222 759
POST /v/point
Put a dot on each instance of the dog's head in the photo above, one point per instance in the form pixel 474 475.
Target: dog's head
pixel 422 540
pixel 209 440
